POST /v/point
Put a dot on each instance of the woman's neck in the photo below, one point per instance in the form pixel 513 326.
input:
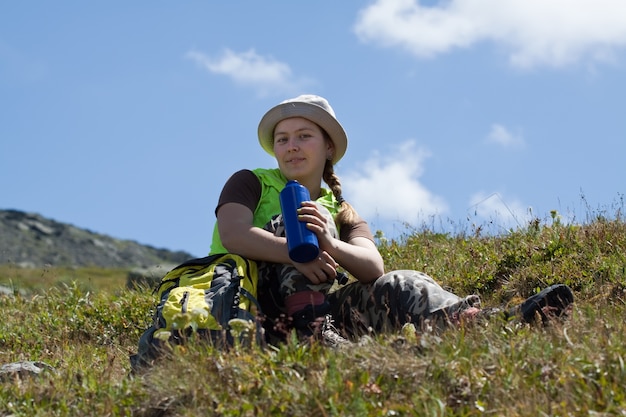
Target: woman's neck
pixel 315 188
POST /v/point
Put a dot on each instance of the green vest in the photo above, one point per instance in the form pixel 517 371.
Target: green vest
pixel 272 182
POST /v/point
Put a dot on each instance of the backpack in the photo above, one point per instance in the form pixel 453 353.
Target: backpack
pixel 213 298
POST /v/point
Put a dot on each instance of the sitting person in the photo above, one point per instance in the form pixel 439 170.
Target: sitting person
pixel 307 140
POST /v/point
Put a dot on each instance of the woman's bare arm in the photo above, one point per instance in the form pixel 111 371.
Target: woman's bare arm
pixel 239 235
pixel 359 257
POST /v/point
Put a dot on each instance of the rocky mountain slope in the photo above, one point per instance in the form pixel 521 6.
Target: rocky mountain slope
pixel 31 240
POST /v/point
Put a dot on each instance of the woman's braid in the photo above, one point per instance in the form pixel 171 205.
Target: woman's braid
pixel 347 214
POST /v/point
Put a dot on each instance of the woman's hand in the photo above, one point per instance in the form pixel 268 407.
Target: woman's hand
pixel 321 269
pixel 318 223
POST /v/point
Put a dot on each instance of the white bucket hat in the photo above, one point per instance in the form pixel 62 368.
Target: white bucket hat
pixel 310 107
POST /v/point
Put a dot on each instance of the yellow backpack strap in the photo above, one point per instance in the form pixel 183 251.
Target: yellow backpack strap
pixel 172 278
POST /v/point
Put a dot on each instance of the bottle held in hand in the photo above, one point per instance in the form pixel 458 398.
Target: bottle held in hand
pixel 301 242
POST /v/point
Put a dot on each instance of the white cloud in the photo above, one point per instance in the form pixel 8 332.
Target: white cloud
pixel 535 32
pixel 500 135
pixel 388 187
pixel 265 75
pixel 504 214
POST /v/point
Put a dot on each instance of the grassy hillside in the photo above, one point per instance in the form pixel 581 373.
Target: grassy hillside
pixel 39 280
pixel 86 328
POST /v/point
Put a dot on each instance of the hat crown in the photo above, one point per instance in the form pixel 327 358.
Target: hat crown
pixel 312 99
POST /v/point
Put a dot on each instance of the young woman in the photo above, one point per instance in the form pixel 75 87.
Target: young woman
pixel 306 139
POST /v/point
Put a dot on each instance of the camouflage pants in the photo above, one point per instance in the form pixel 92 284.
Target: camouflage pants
pixel 394 299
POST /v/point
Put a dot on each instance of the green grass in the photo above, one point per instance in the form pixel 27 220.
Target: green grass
pixel 41 279
pixel 85 324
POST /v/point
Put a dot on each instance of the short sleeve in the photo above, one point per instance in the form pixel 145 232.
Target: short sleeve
pixel 358 229
pixel 243 187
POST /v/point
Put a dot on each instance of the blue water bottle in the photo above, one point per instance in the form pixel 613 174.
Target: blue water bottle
pixel 301 242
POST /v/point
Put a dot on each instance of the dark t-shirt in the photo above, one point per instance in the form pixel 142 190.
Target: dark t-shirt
pixel 244 187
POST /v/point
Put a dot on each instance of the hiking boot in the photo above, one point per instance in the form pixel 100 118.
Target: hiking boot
pixel 549 303
pixel 330 335
pixel 315 324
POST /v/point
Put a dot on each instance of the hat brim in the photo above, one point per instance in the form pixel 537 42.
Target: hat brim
pixel 311 112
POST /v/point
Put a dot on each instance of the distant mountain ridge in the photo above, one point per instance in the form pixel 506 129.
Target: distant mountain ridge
pixel 31 240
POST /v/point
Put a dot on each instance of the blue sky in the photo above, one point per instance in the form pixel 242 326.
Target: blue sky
pixel 126 118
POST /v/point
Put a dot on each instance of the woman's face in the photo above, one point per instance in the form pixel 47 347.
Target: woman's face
pixel 301 149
